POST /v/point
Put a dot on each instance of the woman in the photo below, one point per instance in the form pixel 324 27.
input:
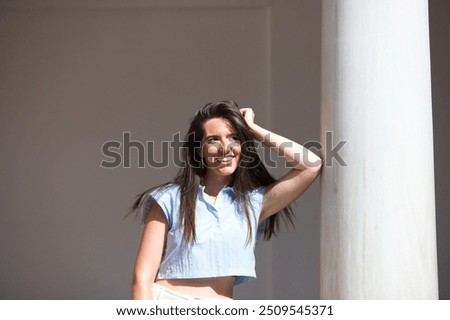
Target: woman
pixel 201 228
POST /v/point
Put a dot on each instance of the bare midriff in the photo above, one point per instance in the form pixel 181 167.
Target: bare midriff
pixel 214 288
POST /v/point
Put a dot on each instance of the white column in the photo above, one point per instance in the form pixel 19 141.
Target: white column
pixel 378 233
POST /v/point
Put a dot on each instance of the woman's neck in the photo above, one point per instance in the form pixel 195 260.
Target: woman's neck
pixel 213 185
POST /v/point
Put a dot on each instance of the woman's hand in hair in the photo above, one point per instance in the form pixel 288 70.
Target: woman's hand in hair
pixel 257 131
pixel 249 116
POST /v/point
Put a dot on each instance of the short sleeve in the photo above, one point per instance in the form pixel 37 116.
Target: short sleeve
pixel 166 198
pixel 257 197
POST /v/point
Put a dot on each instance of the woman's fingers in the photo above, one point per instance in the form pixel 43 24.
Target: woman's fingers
pixel 249 115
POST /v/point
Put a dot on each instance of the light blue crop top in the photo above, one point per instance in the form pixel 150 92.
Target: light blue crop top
pixel 221 248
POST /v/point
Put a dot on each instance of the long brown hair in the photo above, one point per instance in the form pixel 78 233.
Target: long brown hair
pixel 250 174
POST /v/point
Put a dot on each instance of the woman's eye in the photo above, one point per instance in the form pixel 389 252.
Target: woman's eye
pixel 212 140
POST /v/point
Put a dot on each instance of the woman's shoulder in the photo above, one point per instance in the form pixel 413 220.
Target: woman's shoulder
pixel 256 196
pixel 168 199
pixel 169 190
pixel 258 192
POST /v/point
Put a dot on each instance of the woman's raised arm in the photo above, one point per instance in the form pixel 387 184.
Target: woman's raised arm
pixel 305 168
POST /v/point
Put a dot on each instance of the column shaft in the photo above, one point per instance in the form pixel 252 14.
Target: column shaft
pixel 378 233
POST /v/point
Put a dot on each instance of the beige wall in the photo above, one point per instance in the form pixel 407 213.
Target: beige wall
pixel 74 75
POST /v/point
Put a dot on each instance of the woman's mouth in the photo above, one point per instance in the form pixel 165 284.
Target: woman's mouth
pixel 224 160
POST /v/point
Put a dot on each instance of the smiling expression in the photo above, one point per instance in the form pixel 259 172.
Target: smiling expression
pixel 221 148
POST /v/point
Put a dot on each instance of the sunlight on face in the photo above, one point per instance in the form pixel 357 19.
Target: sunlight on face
pixel 221 147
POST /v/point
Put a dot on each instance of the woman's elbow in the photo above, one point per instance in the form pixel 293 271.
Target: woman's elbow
pixel 141 288
pixel 315 167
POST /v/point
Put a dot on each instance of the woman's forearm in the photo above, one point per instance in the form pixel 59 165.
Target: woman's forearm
pixel 299 157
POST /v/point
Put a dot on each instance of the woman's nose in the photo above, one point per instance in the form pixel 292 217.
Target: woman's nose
pixel 225 147
pixel 232 147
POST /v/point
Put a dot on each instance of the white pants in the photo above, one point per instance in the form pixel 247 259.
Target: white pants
pixel 163 293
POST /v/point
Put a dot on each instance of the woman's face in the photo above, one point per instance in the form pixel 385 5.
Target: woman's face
pixel 221 148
